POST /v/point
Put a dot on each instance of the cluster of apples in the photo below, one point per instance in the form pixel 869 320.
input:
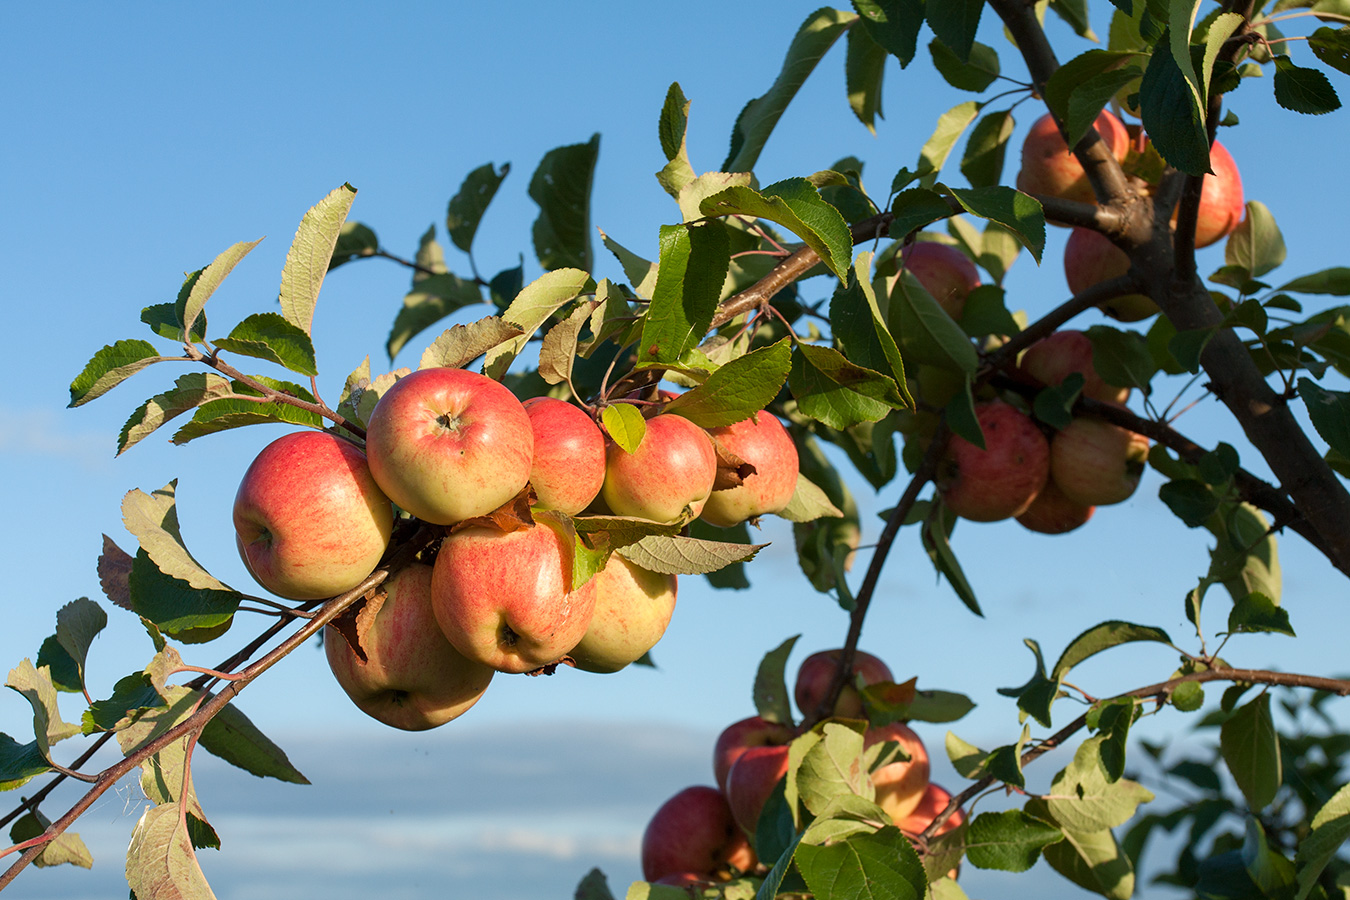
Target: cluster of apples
pixel 703 833
pixel 314 516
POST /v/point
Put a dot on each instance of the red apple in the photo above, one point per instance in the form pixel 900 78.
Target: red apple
pixel 1054 357
pixel 1052 512
pixel 448 445
pixel 412 678
pixel 505 599
pixel 763 442
pixel 569 455
pixel 1000 481
pixel 816 673
pixel 944 271
pixel 310 522
pixel 632 609
pixel 1096 463
pixel 900 785
pixel 1049 166
pixel 693 832
pixel 751 780
pixel 667 477
pixel 1221 201
pixel 1090 258
pixel 739 737
pixel 934 800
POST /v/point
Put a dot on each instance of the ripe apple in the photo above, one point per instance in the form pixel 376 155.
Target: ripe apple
pixel 900 785
pixel 1096 463
pixel 505 599
pixel 671 472
pixel 632 609
pixel 763 442
pixel 751 780
pixel 448 445
pixel 944 271
pixel 569 455
pixel 1052 512
pixel 1049 166
pixel 934 800
pixel 1221 200
pixel 1090 258
pixel 739 737
pixel 693 832
pixel 1054 357
pixel 1000 481
pixel 310 522
pixel 816 673
pixel 412 678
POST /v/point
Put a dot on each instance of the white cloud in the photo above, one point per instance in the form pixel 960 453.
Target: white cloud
pixel 44 432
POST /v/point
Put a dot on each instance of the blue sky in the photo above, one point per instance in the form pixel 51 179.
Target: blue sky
pixel 143 140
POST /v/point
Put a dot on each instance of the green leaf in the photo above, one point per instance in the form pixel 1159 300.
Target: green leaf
pixel 269 336
pixel 857 325
pixel 1038 694
pixel 894 24
pixel 738 389
pixel 468 205
pixel 863 866
pixel 1171 116
pixel 1014 210
pixel 77 624
pixel 1330 830
pixel 966 758
pixel 235 412
pixel 431 299
pixel 625 425
pixel 232 737
pixel 671 555
pixel 308 257
pixel 65 673
pixel 561 186
pixel 206 282
pixel 354 242
pixel 955 23
pixel 809 502
pixel 927 333
pixel 1089 99
pixel 36 687
pixel 1054 405
pixel 1258 613
pixel 460 345
pixel 593 887
pixel 915 208
pixel 20 763
pixel 180 610
pixel 1121 357
pixel 531 308
pixel 772 699
pixel 1010 841
pixel 110 367
pixel 757 120
pixel 1104 637
pixel 934 535
pixel 1077 72
pixel 1256 244
pixel 671 129
pixel 976 75
pixel 189 392
pixel 982 162
pixel 65 848
pixel 1181 20
pixel 694 261
pixel 950 126
pixel 1269 869
pixel 925 706
pixel 1075 13
pixel 164 320
pixel 130 694
pixel 1083 799
pixel 1303 90
pixel 1092 860
pixel 1332 47
pixel 153 519
pixel 1330 413
pixel 1335 281
pixel 864 69
pixel 833 767
pixel 558 351
pixel 1191 501
pixel 161 862
pixel 835 392
pixel 1251 748
pixel 796 204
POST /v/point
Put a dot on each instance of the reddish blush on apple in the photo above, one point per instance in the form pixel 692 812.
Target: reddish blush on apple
pixel 412 678
pixel 751 780
pixel 900 785
pixel 934 800
pixel 1054 513
pixel 1221 201
pixel 944 271
pixel 817 672
pixel 1056 356
pixel 310 522
pixel 1002 480
pixel 632 609
pixel 1089 259
pixel 693 832
pixel 1096 463
pixel 1049 166
pixel 668 477
pixel 739 737
pixel 505 599
pixel 569 455
pixel 763 442
pixel 448 445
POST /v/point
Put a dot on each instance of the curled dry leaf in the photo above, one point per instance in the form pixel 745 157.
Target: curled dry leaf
pixel 513 515
pixel 114 573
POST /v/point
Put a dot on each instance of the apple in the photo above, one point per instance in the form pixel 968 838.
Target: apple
pixel 750 781
pixel 448 445
pixel 739 737
pixel 817 672
pixel 1221 200
pixel 1096 463
pixel 934 800
pixel 1090 258
pixel 693 832
pixel 505 599
pixel 1055 356
pixel 1049 166
pixel 944 271
pixel 900 785
pixel 632 609
pixel 310 522
pixel 1052 512
pixel 569 455
pixel 763 442
pixel 669 475
pixel 411 678
pixel 1000 481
